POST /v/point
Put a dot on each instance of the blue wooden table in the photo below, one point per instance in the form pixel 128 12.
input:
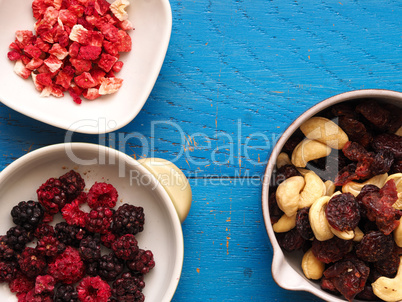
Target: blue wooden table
pixel 237 72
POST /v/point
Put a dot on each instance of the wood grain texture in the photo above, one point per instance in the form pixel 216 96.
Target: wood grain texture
pixel 236 74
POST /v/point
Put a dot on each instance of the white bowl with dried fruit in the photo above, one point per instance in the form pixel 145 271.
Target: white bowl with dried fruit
pixel 332 196
pixel 87 66
pixel 112 222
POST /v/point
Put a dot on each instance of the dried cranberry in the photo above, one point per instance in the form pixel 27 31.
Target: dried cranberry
pixel 345 175
pixel 382 163
pixel 331 250
pixel 290 241
pixel 396 167
pixel 303 224
pixel 342 212
pixel 285 172
pixel 363 192
pixel 293 141
pixel 390 142
pixel 376 114
pixel 367 293
pixel 375 246
pixel 388 267
pixel 355 151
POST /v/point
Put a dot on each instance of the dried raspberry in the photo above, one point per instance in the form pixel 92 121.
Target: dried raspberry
pixel 106 62
pixel 8 270
pixel 342 212
pixel 126 247
pixel 70 234
pixel 375 246
pixel 68 267
pixel 85 80
pixel 99 220
pixel 27 214
pixel 49 246
pixel 129 288
pixel 32 296
pixel 102 194
pixel 13 55
pixel 331 250
pixel 128 219
pixel 93 289
pixel 108 239
pixel 44 229
pixel 21 284
pixel 142 263
pixel 110 267
pixel 44 285
pixel 66 293
pixel 90 249
pixel 110 85
pixel 73 214
pixel 32 263
pixel 51 196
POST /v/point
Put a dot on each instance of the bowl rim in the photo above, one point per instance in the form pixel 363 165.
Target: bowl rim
pixel 280 268
pixel 154 184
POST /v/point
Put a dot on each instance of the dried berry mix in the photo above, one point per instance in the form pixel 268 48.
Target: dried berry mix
pixel 66 262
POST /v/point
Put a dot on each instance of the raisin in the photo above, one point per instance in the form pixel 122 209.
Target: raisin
pixel 355 151
pixel 343 110
pixel 376 114
pixel 293 141
pixel 363 192
pixel 342 212
pixel 274 211
pixel 327 285
pixel 395 121
pixel 285 172
pixel 355 130
pixel 390 142
pixel 346 174
pixel 396 167
pixel 388 267
pixel 367 293
pixel 348 277
pixel 303 224
pixel 290 241
pixel 331 250
pixel 382 162
pixel 375 246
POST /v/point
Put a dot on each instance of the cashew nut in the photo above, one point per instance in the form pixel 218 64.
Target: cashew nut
pixel 329 187
pixel 311 266
pixel 397 177
pixel 389 289
pixel 398 234
pixel 355 187
pixel 282 160
pixel 313 189
pixel 284 224
pixel 325 131
pixel 287 194
pixel 345 235
pixel 303 171
pixel 308 150
pixel 318 220
pixel 358 235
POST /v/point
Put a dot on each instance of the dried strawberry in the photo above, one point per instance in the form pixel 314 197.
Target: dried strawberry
pixel 106 62
pixel 85 80
pixel 13 55
pixel 50 16
pixel 53 63
pixel 102 7
pixel 110 32
pixel 117 66
pixel 58 51
pixel 65 76
pixel 38 8
pixel 91 93
pixel 44 79
pixel 97 75
pixel 81 65
pixel 75 93
pixel 89 52
pixel 38 86
pixel 32 51
pixel 125 25
pixel 110 48
pixel 42 45
pixel 67 17
pixel 34 64
pixel 79 34
pixel 74 49
pixel 24 38
pixel 76 9
pixel 124 42
pixel 21 70
pixel 110 85
pixel 95 38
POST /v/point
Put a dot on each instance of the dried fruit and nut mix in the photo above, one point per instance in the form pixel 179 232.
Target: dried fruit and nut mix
pixel 88 257
pixel 76 47
pixel 336 194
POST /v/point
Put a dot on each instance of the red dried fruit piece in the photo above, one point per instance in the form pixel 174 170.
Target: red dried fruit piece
pixel 44 79
pixel 117 66
pixel 303 224
pixel 106 62
pixel 72 213
pixel 32 51
pixel 32 263
pixel 346 174
pixel 126 247
pixel 75 94
pixel 53 63
pixel 290 241
pixel 348 277
pixel 125 25
pixel 124 42
pixel 21 70
pixel 108 239
pixel 74 49
pixel 110 85
pixel 89 52
pixel 8 270
pixel 81 65
pixel 38 8
pixel 97 75
pixel 38 86
pixel 374 113
pixel 24 38
pixel 91 93
pixel 388 267
pixel 42 45
pixel 44 285
pixel 25 59
pixel 396 167
pixel 101 7
pixel 95 38
pixel 68 267
pixel 389 142
pixel 331 250
pixel 21 284
pixel 44 229
pixel 13 55
pixel 65 76
pixel 355 151
pixel 34 64
pixel 93 289
pixel 67 17
pixel 110 48
pixel 58 51
pixel 82 21
pixel 99 220
pixel 51 196
pixel 342 212
pixel 110 32
pixel 375 246
pixel 85 80
pixel 50 16
pixel 79 34
pixel 102 194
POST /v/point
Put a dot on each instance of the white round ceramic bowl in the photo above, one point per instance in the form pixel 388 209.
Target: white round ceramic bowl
pixel 135 184
pixel 286 267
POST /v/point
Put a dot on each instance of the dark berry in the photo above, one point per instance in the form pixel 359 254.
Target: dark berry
pixel 290 241
pixel 102 194
pixel 18 237
pixel 390 142
pixel 44 229
pixel 72 184
pixel 21 284
pixel 126 247
pixel 342 212
pixel 110 267
pixel 331 250
pixel 70 234
pixel 90 249
pixel 142 263
pixel 72 213
pixel 65 293
pixel 99 220
pixel 108 239
pixel 129 288
pixel 375 246
pixel 8 270
pixel 374 112
pixel 93 289
pixel 32 263
pixel 128 219
pixel 68 267
pixel 303 224
pixel 50 246
pixel 6 252
pixel 388 267
pixel 284 173
pixel 52 196
pixel 27 214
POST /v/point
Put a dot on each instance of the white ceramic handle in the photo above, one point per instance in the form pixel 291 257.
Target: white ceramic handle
pixel 174 181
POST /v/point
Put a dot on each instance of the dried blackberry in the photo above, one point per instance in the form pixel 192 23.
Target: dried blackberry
pixel 93 289
pixel 8 270
pixel 126 247
pixel 65 293
pixel 92 268
pixel 90 249
pixel 99 220
pixel 27 214
pixel 142 263
pixel 102 195
pixel 129 288
pixel 70 235
pixel 68 267
pixel 18 237
pixel 110 267
pixel 50 246
pixel 52 196
pixel 44 229
pixel 72 184
pixel 6 252
pixel 32 263
pixel 128 219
